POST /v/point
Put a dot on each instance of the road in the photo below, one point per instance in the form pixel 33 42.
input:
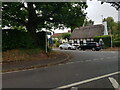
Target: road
pixel 93 67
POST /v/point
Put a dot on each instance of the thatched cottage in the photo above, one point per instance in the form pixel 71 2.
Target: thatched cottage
pixel 86 34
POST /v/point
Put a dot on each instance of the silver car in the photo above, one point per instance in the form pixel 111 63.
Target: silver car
pixel 67 46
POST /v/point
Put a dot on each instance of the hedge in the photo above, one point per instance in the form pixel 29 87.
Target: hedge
pixel 106 39
pixel 12 39
pixel 116 43
pixel 16 39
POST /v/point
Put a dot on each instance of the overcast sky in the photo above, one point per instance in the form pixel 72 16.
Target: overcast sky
pixel 95 10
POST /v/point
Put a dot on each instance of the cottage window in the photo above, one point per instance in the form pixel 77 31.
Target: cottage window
pixel 75 41
pixel 81 42
pixel 92 40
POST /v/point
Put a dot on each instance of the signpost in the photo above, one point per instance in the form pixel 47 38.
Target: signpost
pixel 46 41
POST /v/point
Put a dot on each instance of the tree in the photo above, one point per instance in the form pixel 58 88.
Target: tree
pixel 36 15
pixel 113 27
pixel 66 36
pixel 114 4
pixel 111 24
pixel 88 22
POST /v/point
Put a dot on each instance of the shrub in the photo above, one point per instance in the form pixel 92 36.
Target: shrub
pixel 106 39
pixel 54 41
pixel 116 43
pixel 13 39
pixel 41 39
pixel 57 44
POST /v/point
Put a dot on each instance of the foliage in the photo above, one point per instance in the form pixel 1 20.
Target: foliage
pixel 21 28
pixel 106 39
pixel 43 15
pixel 37 15
pixel 113 27
pixel 116 43
pixel 109 21
pixel 114 4
pixel 54 41
pixel 12 39
pixel 41 39
pixel 57 44
pixel 88 22
pixel 66 35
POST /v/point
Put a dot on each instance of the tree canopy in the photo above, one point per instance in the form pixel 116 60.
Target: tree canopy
pixel 37 15
pixel 114 4
pixel 112 25
pixel 88 22
pixel 66 36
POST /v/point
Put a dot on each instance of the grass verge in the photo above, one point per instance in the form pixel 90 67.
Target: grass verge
pixel 25 54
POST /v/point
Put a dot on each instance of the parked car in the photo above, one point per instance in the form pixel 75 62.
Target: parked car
pixel 67 46
pixel 90 45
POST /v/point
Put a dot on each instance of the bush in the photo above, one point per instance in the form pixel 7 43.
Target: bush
pixel 41 39
pixel 106 39
pixel 57 44
pixel 116 43
pixel 14 39
pixel 54 41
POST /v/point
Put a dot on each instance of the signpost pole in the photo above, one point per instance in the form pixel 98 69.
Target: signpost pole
pixel 46 41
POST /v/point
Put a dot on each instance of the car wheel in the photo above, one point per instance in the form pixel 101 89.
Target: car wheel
pixel 97 49
pixel 61 48
pixel 79 49
pixel 83 49
pixel 69 48
pixel 93 49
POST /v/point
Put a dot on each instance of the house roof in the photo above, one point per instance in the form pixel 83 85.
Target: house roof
pixel 55 35
pixel 87 32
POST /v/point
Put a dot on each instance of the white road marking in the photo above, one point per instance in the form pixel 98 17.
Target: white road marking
pixel 81 61
pixel 74 88
pixel 70 62
pixel 86 81
pixel 60 64
pixel 101 58
pixel 114 83
pixel 108 57
pixel 88 60
pixel 95 59
pixel 17 71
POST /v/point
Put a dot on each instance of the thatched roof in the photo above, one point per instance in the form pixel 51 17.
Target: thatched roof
pixel 87 32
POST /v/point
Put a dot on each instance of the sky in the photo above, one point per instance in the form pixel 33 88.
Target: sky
pixel 96 12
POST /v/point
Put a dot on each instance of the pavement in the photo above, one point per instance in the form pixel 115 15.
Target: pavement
pixel 24 65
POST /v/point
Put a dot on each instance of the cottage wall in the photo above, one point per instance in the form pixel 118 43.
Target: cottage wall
pixel 85 34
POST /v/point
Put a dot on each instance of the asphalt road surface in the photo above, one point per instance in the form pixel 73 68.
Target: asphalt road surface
pixel 86 69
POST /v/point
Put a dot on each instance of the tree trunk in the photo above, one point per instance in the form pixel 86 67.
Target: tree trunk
pixel 32 24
